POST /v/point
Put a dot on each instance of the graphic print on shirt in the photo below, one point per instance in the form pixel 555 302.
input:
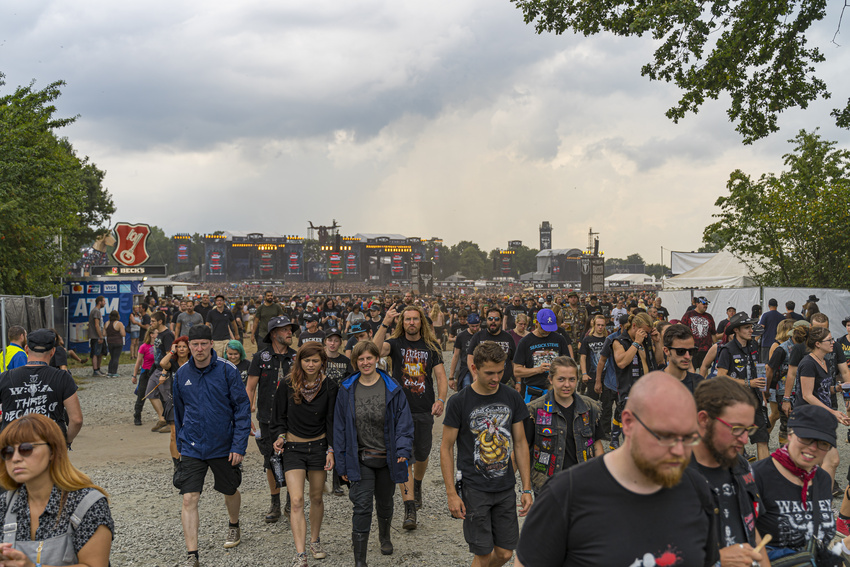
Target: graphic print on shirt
pixel 668 558
pixel 30 398
pixel 541 357
pixel 699 326
pixel 413 374
pixel 796 525
pixel 490 426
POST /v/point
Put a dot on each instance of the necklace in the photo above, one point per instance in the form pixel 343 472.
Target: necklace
pixel 36 363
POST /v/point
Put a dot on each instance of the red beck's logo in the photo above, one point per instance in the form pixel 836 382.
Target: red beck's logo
pixel 131 249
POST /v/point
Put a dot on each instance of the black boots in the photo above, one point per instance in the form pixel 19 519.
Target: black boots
pixel 417 493
pixel 409 515
pixel 274 511
pixel 360 541
pixel 384 535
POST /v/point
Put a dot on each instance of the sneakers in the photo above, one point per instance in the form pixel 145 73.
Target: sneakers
pixel 190 561
pixel 842 527
pixel 159 425
pixel 316 551
pixel 234 537
pixel 409 515
pixel 300 559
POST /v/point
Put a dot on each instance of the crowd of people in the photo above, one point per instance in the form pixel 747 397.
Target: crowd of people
pixel 628 427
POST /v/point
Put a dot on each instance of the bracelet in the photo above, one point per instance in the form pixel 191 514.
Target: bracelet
pixel 330 451
pixel 746 382
pixel 282 436
pixel 387 327
pixel 528 492
pixel 786 399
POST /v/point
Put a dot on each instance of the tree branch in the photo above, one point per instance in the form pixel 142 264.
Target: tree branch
pixel 840 17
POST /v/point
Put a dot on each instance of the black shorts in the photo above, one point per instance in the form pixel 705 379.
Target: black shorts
pixel 762 435
pixel 96 348
pixel 423 434
pixel 194 471
pixel 491 520
pixel 305 456
pixel 265 444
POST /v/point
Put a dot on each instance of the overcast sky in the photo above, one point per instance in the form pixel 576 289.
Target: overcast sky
pixel 441 118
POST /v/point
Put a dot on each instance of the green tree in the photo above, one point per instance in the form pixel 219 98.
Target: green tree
pixel 755 52
pixel 525 260
pixel 472 261
pixel 793 226
pixel 51 202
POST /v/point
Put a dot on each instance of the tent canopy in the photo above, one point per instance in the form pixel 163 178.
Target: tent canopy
pixel 724 270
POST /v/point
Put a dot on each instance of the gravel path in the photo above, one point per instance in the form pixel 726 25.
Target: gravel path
pixel 134 466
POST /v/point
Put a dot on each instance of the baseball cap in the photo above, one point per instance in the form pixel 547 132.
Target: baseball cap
pixel 473 319
pixel 335 331
pixel 356 329
pixel 813 422
pixel 310 304
pixel 310 317
pixel 703 300
pixel 572 294
pixel 801 323
pixel 41 340
pixel 548 321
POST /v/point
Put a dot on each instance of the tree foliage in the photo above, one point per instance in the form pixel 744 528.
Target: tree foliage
pixel 51 201
pixel 754 51
pixel 792 226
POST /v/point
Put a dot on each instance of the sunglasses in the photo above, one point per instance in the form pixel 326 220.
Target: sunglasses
pixel 682 351
pixel 494 318
pixel 24 450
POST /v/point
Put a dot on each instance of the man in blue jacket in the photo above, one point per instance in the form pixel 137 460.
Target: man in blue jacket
pixel 212 419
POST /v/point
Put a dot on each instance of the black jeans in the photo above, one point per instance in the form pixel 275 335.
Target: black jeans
pixel 144 376
pixel 373 483
pixel 608 401
pixel 114 355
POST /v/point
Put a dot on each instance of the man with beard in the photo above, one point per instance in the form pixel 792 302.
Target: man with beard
pixel 574 318
pixel 702 326
pixel 269 366
pixel 511 311
pixel 632 506
pixel 494 333
pixel 679 350
pixel 265 311
pixel 204 306
pixel 417 359
pixel 725 414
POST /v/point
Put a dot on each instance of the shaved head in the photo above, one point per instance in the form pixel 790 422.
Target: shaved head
pixel 658 393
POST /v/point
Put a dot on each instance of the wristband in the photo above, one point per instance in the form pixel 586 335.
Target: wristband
pixel 747 382
pixel 387 327
pixel 786 399
pixel 441 400
pixel 528 492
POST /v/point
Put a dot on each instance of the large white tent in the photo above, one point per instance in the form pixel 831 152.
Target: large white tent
pixel 724 270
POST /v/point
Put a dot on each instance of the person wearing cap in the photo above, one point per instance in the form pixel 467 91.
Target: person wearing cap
pixel 770 320
pixel 337 368
pixel 459 366
pixel 269 366
pixel 703 328
pixel 312 332
pixel 212 420
pixel 725 414
pixel 374 320
pixel 37 387
pixel 15 355
pixel 574 319
pixel 266 310
pixel 730 312
pixel 737 359
pixel 796 492
pixel 358 332
pixel 534 353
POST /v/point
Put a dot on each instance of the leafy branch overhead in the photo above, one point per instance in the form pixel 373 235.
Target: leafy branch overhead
pixel 754 51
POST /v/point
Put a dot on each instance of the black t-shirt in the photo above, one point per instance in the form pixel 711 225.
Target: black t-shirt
pixel 511 311
pixel 782 514
pixel 485 437
pixel 309 419
pixel 809 367
pixel 692 380
pixel 570 458
pixel 307 337
pixel 332 318
pixel 162 344
pixel 504 340
pixel 457 328
pixel 585 518
pixel 725 490
pixel 532 351
pixel 591 347
pixel 220 323
pixel 35 389
pixel 462 344
pixel 204 311
pixel 413 366
pixel 59 358
pixel 271 368
pixel 337 369
pixel 663 313
pixel 373 325
pixel 243 367
pixel 593 310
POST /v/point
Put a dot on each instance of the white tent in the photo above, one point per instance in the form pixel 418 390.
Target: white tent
pixel 722 271
pixel 629 279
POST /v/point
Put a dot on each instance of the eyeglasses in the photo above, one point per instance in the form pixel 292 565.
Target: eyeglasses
pixel 829 340
pixel 671 440
pixel 683 351
pixel 822 445
pixel 494 318
pixel 24 450
pixel 738 430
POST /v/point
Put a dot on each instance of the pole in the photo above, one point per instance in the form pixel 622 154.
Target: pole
pixel 3 318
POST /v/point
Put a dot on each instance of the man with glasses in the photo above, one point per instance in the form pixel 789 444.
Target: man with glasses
pixel 494 333
pixel 679 350
pixel 725 413
pixel 212 420
pixel 737 360
pixel 608 511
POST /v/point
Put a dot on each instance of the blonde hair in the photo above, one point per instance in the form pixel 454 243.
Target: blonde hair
pixel 783 330
pixel 638 320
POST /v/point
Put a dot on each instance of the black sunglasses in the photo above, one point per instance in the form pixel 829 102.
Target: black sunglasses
pixel 682 351
pixel 494 318
pixel 24 449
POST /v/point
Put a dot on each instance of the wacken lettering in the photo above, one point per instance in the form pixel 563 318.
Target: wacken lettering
pixel 795 507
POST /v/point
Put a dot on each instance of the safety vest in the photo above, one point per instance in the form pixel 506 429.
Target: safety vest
pixel 9 354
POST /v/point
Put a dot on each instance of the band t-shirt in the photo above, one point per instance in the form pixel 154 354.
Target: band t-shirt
pixel 338 368
pixel 591 347
pixel 413 366
pixel 243 367
pixel 462 344
pixel 725 490
pixel 702 327
pixel 533 351
pixel 307 337
pixel 663 313
pixel 369 410
pixel 35 389
pixel 809 367
pixel 485 438
pixel 511 311
pixel 572 524
pixel 783 515
pixel 504 340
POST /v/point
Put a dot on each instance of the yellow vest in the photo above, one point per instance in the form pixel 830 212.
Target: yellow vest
pixel 9 354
